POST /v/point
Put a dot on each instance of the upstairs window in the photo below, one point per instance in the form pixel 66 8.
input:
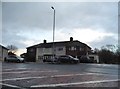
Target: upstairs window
pixel 81 49
pixel 72 48
pixel 60 49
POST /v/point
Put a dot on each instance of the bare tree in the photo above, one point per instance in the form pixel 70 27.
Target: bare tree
pixel 109 54
pixel 109 47
pixel 12 48
pixel 96 50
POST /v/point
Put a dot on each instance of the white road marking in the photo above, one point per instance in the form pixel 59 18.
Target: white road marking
pixel 20 72
pixel 23 78
pixel 54 76
pixel 12 86
pixel 75 83
pixel 15 69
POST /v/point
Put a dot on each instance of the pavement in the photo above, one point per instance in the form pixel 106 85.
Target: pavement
pixel 31 75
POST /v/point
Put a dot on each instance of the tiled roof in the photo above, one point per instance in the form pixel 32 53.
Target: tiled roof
pixel 60 43
pixel 3 47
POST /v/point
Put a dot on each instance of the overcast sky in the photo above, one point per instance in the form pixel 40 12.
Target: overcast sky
pixel 28 23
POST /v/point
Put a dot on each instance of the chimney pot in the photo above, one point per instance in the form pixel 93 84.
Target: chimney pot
pixel 71 38
pixel 44 41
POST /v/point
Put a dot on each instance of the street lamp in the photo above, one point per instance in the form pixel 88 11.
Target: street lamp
pixel 53 29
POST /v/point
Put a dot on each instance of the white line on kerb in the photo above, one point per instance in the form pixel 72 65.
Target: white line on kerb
pixel 76 83
pixel 67 75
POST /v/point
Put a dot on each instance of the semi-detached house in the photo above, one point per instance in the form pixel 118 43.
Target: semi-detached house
pixel 45 50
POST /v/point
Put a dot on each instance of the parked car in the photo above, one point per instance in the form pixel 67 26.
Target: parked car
pixel 50 59
pixel 14 58
pixel 85 59
pixel 67 59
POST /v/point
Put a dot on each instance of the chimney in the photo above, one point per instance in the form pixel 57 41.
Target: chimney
pixel 71 38
pixel 44 41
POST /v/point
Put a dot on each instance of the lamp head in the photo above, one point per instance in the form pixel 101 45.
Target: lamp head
pixel 52 7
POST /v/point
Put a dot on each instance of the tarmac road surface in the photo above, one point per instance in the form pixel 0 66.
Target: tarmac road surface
pixel 38 75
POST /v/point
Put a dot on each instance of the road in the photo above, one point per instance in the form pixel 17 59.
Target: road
pixel 38 75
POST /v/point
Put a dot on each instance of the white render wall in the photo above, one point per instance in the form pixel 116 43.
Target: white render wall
pixel 48 51
pixel 60 52
pixel 3 53
pixel 96 57
pixel 42 51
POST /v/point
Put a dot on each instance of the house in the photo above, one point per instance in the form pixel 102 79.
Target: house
pixel 3 52
pixel 45 50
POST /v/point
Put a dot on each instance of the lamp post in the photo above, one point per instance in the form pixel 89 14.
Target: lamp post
pixel 53 29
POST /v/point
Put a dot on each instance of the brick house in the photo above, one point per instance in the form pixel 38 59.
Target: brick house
pixel 3 52
pixel 45 50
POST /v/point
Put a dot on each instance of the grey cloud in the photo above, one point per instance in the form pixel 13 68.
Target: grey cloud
pixel 20 15
pixel 108 40
pixel 100 15
pixel 9 37
pixel 67 14
pixel 27 14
